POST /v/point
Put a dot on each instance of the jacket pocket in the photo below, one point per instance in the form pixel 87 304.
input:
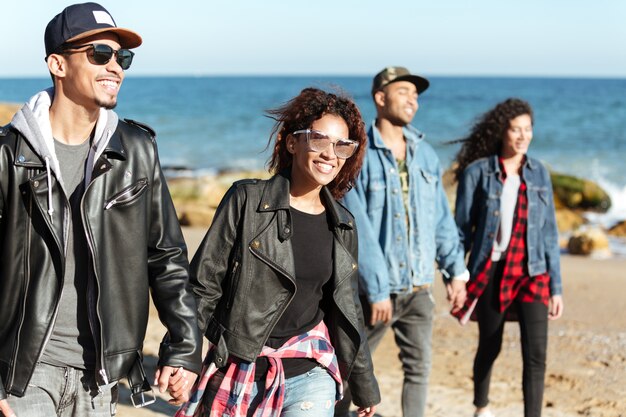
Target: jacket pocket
pixel 376 194
pixel 541 202
pixel 128 195
pixel 232 283
pixel 427 192
pixel 543 195
pixel 429 177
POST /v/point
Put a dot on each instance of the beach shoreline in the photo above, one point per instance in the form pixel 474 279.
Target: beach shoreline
pixel 586 355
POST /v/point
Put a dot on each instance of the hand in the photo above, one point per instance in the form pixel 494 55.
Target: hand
pixel 555 309
pixel 177 381
pixel 457 294
pixel 366 411
pixel 381 311
pixel 6 409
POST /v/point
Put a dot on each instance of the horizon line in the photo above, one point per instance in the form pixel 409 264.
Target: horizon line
pixel 329 75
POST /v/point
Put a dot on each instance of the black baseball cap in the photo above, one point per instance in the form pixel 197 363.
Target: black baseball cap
pixel 393 74
pixel 80 21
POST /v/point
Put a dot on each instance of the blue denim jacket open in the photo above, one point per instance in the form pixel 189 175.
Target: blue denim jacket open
pixel 393 259
pixel 477 216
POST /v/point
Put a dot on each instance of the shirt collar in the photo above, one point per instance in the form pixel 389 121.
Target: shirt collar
pixel 411 135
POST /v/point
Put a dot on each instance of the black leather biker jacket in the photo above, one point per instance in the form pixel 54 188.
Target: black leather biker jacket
pixel 243 277
pixel 135 245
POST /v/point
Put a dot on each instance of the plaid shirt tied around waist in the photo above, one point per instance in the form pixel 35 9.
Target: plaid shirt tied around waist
pixel 516 284
pixel 234 393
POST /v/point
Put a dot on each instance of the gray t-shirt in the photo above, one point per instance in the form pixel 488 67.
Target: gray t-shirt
pixel 71 342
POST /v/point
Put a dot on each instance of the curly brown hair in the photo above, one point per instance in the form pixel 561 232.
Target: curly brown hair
pixel 485 138
pixel 299 113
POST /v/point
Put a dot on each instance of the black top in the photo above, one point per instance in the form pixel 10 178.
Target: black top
pixel 312 243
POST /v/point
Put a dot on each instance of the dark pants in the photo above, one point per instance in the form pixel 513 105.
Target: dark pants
pixel 533 321
pixel 412 324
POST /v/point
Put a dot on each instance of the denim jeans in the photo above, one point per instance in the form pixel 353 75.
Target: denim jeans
pixel 412 324
pixel 311 394
pixel 64 391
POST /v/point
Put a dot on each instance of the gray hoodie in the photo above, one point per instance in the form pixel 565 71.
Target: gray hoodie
pixel 33 122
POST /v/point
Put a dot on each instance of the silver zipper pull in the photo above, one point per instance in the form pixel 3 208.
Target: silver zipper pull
pixel 103 374
pixel 110 204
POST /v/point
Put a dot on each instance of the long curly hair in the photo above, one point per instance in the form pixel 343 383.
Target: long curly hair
pixel 299 113
pixel 485 138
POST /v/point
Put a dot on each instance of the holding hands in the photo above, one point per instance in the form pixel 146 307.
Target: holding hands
pixel 456 294
pixel 177 381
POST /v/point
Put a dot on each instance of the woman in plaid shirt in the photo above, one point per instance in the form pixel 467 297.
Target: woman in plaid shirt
pixel 506 220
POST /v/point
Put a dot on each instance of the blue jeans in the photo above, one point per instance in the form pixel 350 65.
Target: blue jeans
pixel 64 391
pixel 412 324
pixel 311 394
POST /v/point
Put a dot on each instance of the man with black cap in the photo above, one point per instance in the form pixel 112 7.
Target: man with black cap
pixel 87 233
pixel 404 225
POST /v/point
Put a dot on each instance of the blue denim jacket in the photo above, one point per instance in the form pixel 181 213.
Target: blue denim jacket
pixel 393 259
pixel 477 216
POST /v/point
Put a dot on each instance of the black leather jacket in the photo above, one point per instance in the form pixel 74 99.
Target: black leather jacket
pixel 243 278
pixel 135 244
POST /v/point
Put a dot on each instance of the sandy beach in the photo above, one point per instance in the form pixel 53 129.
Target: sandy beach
pixel 586 358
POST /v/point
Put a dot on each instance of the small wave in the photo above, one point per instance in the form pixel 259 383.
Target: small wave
pixel 618 246
pixel 617 212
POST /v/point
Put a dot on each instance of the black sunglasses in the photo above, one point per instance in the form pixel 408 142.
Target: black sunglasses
pixel 101 54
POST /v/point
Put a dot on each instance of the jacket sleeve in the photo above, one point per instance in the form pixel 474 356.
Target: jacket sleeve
pixel 362 382
pixel 373 272
pixel 210 264
pixel 450 255
pixel 550 235
pixel 464 210
pixel 3 170
pixel 168 269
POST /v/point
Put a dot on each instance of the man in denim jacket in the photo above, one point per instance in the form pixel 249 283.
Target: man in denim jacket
pixel 404 225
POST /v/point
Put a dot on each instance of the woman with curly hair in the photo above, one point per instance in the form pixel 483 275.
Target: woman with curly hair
pixel 275 278
pixel 506 220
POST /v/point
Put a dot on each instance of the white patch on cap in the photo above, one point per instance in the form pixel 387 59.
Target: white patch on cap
pixel 103 17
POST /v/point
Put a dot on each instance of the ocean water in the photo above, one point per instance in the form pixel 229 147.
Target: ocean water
pixel 213 123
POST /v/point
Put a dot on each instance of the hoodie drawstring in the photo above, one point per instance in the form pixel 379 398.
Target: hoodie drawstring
pixel 49 178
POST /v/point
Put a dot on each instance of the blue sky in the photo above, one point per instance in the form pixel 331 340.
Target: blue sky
pixel 353 37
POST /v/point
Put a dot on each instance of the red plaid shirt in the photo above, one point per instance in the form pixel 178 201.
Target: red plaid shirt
pixel 234 393
pixel 515 284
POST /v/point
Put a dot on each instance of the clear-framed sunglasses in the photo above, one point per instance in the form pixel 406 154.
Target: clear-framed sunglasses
pixel 319 141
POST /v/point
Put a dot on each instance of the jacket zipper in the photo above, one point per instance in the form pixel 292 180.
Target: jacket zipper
pixel 26 276
pixel 99 367
pixel 232 285
pixel 339 307
pixel 138 188
pixel 56 307
pixel 278 316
